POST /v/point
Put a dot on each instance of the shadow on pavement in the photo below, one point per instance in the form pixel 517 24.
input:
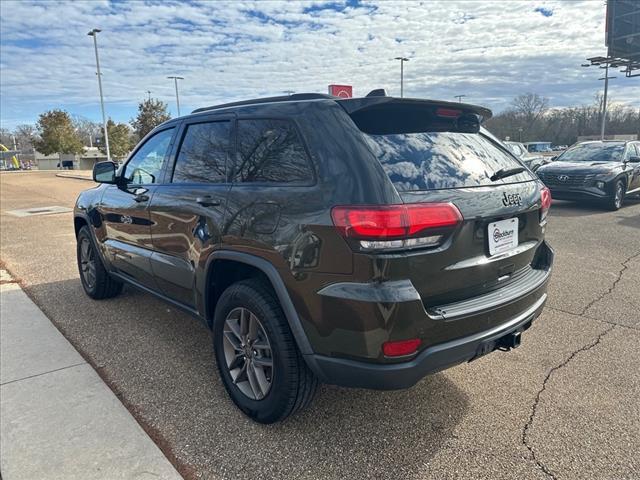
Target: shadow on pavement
pixel 159 363
pixel 569 208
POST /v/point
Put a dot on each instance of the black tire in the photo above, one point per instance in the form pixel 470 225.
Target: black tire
pixel 98 285
pixel 615 200
pixel 292 384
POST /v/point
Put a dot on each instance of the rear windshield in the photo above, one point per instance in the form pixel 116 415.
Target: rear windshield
pixel 434 161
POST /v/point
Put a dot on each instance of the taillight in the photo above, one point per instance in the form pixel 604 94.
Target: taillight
pixel 400 348
pixel 545 197
pixel 396 226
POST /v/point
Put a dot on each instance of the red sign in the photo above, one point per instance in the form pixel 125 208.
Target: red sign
pixel 342 91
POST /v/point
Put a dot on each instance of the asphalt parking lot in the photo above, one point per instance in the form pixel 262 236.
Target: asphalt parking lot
pixel 564 405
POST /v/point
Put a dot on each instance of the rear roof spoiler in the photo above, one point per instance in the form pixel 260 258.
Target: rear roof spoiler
pixel 353 105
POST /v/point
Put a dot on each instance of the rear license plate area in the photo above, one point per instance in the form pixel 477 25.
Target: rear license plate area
pixel 502 236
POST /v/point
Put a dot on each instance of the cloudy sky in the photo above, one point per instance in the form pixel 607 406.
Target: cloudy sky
pixel 489 51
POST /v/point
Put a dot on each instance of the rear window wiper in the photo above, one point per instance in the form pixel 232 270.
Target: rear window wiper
pixel 506 172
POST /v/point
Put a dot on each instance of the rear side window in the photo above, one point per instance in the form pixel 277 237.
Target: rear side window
pixel 203 153
pixel 441 160
pixel 270 151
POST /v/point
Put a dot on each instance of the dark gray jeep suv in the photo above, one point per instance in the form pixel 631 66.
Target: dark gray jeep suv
pixel 361 242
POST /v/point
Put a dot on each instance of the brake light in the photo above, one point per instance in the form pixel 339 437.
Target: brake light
pixel 448 112
pixel 394 226
pixel 545 200
pixel 400 348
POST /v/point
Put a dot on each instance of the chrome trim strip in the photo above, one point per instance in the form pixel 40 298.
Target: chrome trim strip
pixel 491 300
pixel 483 259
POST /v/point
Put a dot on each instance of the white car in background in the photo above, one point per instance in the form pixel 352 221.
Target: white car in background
pixel 531 160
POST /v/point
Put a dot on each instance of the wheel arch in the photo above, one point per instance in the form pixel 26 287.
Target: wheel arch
pixel 260 267
pixel 625 179
pixel 79 221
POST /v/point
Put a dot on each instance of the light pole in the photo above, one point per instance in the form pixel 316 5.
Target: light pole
pixel 94 33
pixel 459 97
pixel 604 99
pixel 520 134
pixel 175 81
pixel 402 60
pixel 606 78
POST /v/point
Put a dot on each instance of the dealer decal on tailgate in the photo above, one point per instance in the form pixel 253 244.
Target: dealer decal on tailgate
pixel 503 236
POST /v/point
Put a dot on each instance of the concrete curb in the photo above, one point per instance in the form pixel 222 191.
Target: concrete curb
pixel 58 419
pixel 77 176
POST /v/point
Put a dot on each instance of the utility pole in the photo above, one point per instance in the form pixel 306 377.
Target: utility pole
pixel 459 97
pixel 606 79
pixel 94 33
pixel 402 60
pixel 602 63
pixel 175 81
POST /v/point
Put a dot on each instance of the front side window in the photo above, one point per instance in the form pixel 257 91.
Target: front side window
pixel 145 166
pixel 441 160
pixel 203 153
pixel 270 151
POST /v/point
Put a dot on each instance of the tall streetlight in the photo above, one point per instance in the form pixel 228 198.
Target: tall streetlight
pixel 402 60
pixel 459 97
pixel 175 81
pixel 606 78
pixel 94 33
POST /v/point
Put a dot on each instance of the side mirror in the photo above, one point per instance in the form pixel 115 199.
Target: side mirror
pixel 553 159
pixel 104 172
pixel 634 159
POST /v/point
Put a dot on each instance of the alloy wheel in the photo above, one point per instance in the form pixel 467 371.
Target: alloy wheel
pixel 248 354
pixel 618 198
pixel 87 263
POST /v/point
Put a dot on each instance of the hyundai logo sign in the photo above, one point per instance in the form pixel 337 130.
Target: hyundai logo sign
pixel 563 178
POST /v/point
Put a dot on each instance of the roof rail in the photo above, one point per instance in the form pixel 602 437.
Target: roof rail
pixel 283 98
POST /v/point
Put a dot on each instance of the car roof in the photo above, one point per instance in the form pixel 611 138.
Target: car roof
pixel 349 104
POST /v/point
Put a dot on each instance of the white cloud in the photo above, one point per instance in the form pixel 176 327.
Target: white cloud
pixel 490 51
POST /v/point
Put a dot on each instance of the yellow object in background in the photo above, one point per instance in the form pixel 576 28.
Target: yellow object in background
pixel 14 160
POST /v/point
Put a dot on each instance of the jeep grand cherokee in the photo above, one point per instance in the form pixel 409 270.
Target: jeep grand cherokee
pixel 361 242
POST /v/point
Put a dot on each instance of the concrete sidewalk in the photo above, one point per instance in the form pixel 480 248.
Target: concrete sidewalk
pixel 58 419
pixel 77 174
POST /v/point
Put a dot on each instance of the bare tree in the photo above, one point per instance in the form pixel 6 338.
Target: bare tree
pixel 87 130
pixel 25 135
pixel 531 107
pixel 560 126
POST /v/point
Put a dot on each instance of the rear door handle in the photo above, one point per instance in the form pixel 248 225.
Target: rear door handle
pixel 208 201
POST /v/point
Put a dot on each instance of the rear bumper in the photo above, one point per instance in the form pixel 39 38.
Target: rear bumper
pixel 352 373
